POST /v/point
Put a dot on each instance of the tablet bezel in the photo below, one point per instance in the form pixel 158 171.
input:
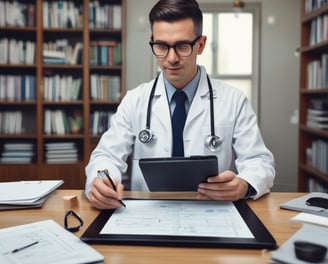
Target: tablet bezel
pixel 177 174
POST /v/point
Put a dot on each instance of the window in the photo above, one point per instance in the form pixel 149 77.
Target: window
pixel 232 49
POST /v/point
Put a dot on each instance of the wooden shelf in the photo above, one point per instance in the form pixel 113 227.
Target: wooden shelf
pixel 308 174
pixel 72 174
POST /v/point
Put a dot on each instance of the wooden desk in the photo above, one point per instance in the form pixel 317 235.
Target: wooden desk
pixel 266 208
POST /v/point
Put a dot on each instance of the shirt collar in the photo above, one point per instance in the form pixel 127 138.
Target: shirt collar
pixel 189 89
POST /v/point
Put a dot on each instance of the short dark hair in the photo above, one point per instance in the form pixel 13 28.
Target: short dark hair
pixel 174 10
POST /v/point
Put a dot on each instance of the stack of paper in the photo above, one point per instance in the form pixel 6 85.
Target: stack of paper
pixel 24 194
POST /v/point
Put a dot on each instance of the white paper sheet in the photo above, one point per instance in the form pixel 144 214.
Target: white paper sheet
pixel 55 245
pixel 178 218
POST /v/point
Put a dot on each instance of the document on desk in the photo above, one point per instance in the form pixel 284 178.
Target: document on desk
pixel 26 192
pixel 176 222
pixel 178 218
pixel 44 242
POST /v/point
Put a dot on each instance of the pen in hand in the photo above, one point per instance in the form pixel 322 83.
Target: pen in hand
pixel 104 173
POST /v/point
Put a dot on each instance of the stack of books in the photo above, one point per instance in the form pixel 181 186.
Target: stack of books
pixel 61 152
pixel 62 52
pixel 21 153
pixel 317 114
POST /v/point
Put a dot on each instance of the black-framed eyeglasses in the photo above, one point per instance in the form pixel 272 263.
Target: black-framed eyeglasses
pixel 182 48
pixel 75 224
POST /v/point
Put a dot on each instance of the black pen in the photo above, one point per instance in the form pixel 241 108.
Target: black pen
pixel 21 248
pixel 101 174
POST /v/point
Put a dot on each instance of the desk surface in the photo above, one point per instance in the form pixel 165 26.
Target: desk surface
pixel 266 208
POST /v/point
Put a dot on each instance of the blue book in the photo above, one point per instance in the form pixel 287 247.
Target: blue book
pixel 104 55
pixel 32 87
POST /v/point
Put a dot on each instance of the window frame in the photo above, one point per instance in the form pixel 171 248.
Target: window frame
pixel 255 76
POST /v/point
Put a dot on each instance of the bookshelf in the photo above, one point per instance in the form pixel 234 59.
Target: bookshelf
pixel 313 128
pixel 62 75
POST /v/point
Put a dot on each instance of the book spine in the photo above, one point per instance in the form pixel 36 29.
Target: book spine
pixel 17 87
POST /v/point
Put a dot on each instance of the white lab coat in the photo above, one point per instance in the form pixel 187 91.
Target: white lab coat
pixel 242 148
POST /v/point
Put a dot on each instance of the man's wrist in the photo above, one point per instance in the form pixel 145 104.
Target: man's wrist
pixel 250 192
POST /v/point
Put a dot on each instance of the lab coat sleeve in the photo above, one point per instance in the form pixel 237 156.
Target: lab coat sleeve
pixel 114 146
pixel 254 162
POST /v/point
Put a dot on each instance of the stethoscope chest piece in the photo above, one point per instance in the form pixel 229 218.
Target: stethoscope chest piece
pixel 213 142
pixel 146 135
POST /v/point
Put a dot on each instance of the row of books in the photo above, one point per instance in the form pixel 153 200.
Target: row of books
pixel 62 122
pixel 318 30
pixel 17 13
pixel 317 155
pixel 18 153
pixel 61 88
pixel 61 152
pixel 311 5
pixel 15 51
pixel 99 122
pixel 316 186
pixel 105 87
pixel 62 52
pixel 62 14
pixel 105 16
pixel 317 73
pixel 105 52
pixel 17 87
pixel 17 122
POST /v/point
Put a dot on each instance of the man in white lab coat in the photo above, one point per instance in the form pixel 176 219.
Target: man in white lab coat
pixel 246 166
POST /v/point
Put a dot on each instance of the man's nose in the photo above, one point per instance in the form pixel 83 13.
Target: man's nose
pixel 172 56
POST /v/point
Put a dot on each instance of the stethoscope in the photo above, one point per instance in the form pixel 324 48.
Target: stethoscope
pixel 212 141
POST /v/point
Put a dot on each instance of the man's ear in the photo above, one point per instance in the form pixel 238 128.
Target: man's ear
pixel 202 44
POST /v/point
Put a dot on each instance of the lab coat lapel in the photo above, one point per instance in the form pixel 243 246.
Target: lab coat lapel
pixel 160 107
pixel 200 101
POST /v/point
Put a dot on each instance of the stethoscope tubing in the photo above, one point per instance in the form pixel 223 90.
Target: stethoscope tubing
pixel 146 135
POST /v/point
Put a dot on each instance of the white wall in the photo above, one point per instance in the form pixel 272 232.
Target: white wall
pixel 279 75
pixel 279 86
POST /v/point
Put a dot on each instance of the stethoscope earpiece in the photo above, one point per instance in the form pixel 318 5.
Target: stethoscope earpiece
pixel 212 142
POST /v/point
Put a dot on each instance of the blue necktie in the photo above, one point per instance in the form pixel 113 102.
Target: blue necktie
pixel 178 122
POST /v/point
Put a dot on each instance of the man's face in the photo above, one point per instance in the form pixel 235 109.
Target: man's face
pixel 179 71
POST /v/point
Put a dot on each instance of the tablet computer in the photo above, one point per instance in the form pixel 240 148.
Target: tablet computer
pixel 177 174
